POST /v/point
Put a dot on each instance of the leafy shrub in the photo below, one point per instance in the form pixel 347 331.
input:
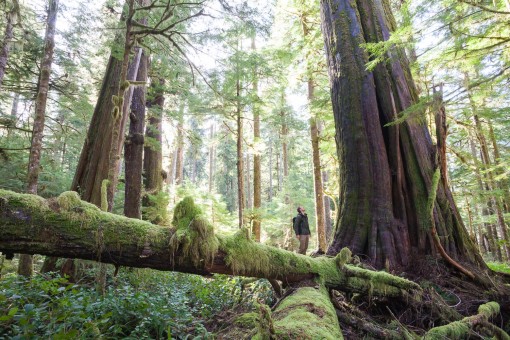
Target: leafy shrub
pixel 139 304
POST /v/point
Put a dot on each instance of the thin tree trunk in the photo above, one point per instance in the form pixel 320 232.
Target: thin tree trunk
pixel 249 200
pixel 179 164
pixel 25 263
pixel 492 248
pixel 240 165
pixel 14 112
pixel 270 172
pixel 328 222
pixel 496 202
pixel 173 162
pixel 133 149
pixel 279 169
pixel 257 168
pixel 317 171
pixel 11 20
pixel 211 158
pixel 503 183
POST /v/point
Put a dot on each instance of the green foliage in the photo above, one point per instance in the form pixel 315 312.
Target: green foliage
pixel 157 209
pixel 499 267
pixel 138 304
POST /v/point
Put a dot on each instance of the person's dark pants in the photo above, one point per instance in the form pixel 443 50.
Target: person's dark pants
pixel 303 243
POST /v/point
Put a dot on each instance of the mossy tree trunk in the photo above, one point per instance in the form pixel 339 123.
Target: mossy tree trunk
pixel 386 171
pixel 94 160
pixel 153 156
pixel 43 86
pixel 133 148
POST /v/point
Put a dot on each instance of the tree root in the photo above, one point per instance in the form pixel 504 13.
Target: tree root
pixel 352 316
pixel 462 328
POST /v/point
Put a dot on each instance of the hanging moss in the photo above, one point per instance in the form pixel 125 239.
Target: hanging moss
pixel 194 236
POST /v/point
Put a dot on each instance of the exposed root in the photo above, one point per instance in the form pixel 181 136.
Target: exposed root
pixel 463 328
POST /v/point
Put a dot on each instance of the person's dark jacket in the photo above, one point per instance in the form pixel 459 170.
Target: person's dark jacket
pixel 301 226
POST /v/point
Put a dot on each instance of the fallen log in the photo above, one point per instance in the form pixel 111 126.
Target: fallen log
pixel 69 227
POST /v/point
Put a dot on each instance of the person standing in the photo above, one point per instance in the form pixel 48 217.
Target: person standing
pixel 302 229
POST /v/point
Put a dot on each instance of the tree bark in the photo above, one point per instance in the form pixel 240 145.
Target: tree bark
pixel 11 21
pixel 34 161
pixel 270 172
pixel 240 165
pixel 386 171
pixel 212 150
pixel 133 149
pixel 179 164
pixel 117 110
pixel 153 157
pixel 257 167
pixel 93 166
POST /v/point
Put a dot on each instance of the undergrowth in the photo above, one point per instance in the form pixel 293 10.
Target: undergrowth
pixel 139 304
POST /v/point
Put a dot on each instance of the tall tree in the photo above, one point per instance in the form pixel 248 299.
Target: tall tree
pixel 153 156
pixel 257 168
pixel 386 171
pixel 314 134
pixel 43 86
pixel 12 17
pixel 133 149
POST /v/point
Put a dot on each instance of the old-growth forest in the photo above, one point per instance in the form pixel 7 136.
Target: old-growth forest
pixel 153 154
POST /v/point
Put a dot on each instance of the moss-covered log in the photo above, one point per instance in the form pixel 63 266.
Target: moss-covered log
pixel 68 227
pixel 307 313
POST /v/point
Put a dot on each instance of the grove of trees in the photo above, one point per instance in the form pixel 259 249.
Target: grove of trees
pixel 182 136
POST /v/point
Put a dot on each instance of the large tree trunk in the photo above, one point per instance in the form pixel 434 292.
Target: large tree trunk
pixel 386 171
pixel 133 149
pixel 25 262
pixel 93 165
pixel 11 18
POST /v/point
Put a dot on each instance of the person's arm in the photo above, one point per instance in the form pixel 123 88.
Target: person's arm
pixel 297 226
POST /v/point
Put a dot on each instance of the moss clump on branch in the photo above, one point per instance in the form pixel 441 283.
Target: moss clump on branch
pixel 194 236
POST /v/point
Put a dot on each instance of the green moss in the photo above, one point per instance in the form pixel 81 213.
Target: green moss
pixel 69 200
pixel 454 330
pixel 250 320
pixel 343 257
pixel 307 314
pixel 104 194
pixel 80 219
pixel 194 236
pixel 489 309
pixel 433 191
